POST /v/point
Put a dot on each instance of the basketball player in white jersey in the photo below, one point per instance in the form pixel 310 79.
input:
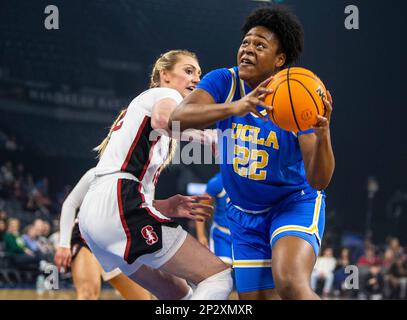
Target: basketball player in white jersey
pixel 73 252
pixel 122 223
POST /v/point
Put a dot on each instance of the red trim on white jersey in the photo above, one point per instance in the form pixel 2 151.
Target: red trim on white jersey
pixel 143 172
pixel 133 145
pixel 123 219
pixel 156 175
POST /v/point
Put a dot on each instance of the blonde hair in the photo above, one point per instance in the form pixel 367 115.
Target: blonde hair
pixel 171 153
pixel 102 146
pixel 167 61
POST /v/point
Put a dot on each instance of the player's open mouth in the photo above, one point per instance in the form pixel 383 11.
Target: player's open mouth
pixel 246 62
pixel 191 88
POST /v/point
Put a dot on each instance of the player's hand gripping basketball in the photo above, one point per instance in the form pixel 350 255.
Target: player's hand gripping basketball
pixel 322 126
pixel 189 207
pixel 63 258
pixel 255 98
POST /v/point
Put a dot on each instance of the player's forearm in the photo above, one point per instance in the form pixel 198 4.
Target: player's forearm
pixel 66 224
pixel 199 116
pixel 200 229
pixel 207 137
pixel 322 163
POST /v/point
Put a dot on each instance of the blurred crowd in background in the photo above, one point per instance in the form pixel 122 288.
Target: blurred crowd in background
pixel 29 235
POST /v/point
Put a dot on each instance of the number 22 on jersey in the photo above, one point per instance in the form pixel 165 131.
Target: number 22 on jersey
pixel 248 163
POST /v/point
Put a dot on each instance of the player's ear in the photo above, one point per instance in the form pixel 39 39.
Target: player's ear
pixel 164 77
pixel 280 60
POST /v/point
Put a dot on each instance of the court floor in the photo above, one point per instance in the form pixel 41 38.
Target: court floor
pixel 29 294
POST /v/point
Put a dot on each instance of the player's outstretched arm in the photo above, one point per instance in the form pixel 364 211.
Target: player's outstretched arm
pixel 160 116
pixel 199 110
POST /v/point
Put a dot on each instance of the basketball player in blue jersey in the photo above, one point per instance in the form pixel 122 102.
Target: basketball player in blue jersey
pixel 219 235
pixel 274 178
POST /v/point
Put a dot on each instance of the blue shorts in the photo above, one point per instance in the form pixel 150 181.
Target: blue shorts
pixel 254 235
pixel 220 242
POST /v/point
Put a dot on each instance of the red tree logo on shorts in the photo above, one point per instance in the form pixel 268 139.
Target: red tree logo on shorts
pixel 149 234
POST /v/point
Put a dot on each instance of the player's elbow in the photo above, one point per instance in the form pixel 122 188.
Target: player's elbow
pixel 319 178
pixel 159 122
pixel 68 206
pixel 319 183
pixel 319 186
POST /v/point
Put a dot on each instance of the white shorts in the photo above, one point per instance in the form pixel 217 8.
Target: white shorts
pixel 124 232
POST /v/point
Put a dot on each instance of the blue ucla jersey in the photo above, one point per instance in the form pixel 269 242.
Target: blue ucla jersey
pixel 215 189
pixel 261 164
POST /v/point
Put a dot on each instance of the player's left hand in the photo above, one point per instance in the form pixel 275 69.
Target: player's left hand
pixel 189 207
pixel 321 128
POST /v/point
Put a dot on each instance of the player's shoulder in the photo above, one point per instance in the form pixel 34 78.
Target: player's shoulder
pixel 161 93
pixel 147 99
pixel 218 83
pixel 152 95
pixel 221 73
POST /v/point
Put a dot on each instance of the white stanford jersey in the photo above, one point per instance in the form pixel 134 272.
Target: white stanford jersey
pixel 133 148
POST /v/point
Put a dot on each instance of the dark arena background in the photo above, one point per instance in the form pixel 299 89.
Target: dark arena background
pixel 60 90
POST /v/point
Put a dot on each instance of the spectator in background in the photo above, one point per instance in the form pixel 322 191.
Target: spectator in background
pixel 43 230
pixel 11 144
pixel 38 203
pixel 42 197
pixel 339 274
pixel 397 277
pixel 388 259
pixel 38 225
pixel 42 186
pixel 7 172
pixel 6 179
pixel 54 237
pixel 3 214
pixel 324 270
pixel 374 283
pixel 16 249
pixel 394 244
pixel 367 260
pixel 3 229
pixel 30 236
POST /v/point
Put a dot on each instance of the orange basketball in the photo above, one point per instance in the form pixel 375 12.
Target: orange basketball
pixel 296 100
